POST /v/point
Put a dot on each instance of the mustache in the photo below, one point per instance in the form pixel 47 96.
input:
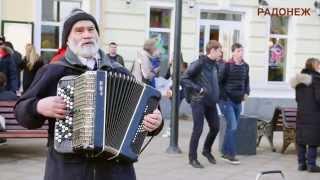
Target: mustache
pixel 92 42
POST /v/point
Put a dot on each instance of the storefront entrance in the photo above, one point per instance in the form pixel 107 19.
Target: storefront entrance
pixel 223 27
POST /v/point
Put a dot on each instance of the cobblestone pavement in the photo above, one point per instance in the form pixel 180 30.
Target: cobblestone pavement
pixel 24 159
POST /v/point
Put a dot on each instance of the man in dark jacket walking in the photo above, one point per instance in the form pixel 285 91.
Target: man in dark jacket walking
pixel 307 85
pixel 113 56
pixel 201 81
pixel 234 89
pixel 40 103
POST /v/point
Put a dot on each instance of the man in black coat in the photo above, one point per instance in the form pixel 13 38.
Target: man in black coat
pixel 80 35
pixel 202 86
pixel 113 55
pixel 17 58
pixel 8 67
pixel 307 85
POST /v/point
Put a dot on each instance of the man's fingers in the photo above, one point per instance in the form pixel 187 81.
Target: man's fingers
pixel 149 126
pixel 58 99
pixel 60 112
pixel 152 122
pixel 152 116
pixel 60 106
pixel 59 116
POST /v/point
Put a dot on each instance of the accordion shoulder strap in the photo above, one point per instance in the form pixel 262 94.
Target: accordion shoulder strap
pixel 145 146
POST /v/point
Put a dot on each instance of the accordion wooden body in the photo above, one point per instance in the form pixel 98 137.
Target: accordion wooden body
pixel 105 111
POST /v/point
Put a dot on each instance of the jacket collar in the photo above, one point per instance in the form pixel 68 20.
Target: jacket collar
pixel 232 61
pixel 301 78
pixel 205 58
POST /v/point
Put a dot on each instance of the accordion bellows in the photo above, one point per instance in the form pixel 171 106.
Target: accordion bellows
pixel 104 116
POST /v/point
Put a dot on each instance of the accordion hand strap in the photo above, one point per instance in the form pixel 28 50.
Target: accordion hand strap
pixel 145 146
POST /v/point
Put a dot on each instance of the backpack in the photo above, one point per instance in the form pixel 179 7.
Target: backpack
pixel 188 91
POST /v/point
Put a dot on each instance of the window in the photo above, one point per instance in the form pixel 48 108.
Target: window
pixel 160 22
pixel 160 18
pixel 19 33
pixel 220 16
pixel 278 48
pixel 201 40
pixel 53 13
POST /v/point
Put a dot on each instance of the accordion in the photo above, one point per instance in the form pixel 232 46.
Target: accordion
pixel 105 112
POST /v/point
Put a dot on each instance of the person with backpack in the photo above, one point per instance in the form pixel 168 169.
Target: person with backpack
pixel 234 88
pixel 201 83
pixel 143 69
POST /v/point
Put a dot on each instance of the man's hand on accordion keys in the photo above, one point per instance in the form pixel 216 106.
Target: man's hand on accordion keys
pixel 152 121
pixel 52 107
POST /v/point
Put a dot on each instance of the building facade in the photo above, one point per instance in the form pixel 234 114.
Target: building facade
pixel 276 47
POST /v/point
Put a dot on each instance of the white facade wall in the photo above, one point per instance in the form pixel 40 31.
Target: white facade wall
pixel 128 25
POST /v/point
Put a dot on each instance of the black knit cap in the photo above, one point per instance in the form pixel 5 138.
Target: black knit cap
pixel 75 16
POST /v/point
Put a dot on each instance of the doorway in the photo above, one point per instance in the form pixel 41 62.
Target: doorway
pixel 220 26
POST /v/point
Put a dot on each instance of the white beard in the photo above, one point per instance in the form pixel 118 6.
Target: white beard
pixel 86 51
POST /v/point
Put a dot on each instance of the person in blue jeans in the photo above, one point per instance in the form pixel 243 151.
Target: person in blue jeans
pixel 234 87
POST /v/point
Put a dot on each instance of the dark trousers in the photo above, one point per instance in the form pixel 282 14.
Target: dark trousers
pixel 308 155
pixel 201 110
pixel 74 167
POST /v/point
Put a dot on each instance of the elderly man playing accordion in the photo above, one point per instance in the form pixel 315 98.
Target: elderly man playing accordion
pixel 40 102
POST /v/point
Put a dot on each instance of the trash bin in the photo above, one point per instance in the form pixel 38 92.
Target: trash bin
pixel 246 136
pixel 222 132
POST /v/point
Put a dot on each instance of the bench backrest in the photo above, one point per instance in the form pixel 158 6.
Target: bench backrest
pixel 7 111
pixel 289 117
pixel 284 117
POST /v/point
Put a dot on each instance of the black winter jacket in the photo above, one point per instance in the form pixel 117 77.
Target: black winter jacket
pixel 235 82
pixel 68 166
pixel 28 75
pixel 117 58
pixel 307 85
pixel 202 73
pixel 8 67
pixel 7 95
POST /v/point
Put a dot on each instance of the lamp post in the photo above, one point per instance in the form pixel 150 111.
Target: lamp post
pixel 173 147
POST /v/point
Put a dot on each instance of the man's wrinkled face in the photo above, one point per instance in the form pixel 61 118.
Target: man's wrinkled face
pixel 83 39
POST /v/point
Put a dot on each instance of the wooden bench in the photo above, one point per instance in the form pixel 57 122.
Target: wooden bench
pixel 284 119
pixel 14 129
